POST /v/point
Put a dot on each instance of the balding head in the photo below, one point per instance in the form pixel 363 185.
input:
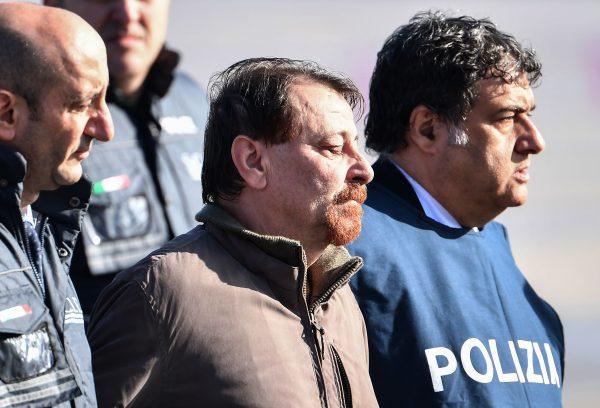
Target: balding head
pixel 41 46
pixel 51 58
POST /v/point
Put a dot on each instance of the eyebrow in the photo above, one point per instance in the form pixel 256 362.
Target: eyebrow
pixel 78 99
pixel 515 109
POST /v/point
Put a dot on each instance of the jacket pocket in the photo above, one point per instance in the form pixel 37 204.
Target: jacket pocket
pixel 25 356
pixel 33 368
pixel 25 349
pixel 125 219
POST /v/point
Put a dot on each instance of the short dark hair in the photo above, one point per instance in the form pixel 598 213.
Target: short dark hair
pixel 251 98
pixel 25 69
pixel 436 61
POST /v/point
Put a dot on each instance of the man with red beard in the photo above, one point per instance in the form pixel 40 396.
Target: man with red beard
pixel 252 308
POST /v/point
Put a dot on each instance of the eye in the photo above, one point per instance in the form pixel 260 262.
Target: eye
pixel 80 106
pixel 334 149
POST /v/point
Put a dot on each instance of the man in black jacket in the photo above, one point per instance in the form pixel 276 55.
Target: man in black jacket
pixel 53 80
pixel 146 184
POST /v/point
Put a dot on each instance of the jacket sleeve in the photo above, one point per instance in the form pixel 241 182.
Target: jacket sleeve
pixel 125 342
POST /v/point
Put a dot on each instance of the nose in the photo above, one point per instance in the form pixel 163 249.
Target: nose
pixel 100 125
pixel 126 10
pixel 361 171
pixel 531 140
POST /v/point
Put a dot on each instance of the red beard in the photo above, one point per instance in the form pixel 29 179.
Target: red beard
pixel 344 217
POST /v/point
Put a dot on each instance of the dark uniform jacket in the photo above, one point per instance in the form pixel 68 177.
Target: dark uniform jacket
pixel 219 317
pixel 452 321
pixel 147 182
pixel 44 355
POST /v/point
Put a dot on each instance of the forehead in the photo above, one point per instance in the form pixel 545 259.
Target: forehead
pixel 322 109
pixel 88 74
pixel 496 93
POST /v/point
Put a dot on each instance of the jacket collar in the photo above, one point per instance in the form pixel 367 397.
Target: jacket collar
pixel 283 261
pixel 66 206
pixel 388 175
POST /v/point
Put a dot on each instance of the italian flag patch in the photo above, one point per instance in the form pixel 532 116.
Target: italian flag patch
pixel 110 184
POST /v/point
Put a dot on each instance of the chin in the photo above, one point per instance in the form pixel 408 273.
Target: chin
pixel 343 232
pixel 67 178
pixel 516 200
pixel 125 66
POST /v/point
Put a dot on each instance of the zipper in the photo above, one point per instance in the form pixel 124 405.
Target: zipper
pixel 25 244
pixel 319 331
pixel 319 334
pixel 347 391
pixel 317 340
pixel 339 282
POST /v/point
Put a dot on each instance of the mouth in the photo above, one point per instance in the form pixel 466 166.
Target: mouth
pixel 125 38
pixel 81 154
pixel 522 174
pixel 128 40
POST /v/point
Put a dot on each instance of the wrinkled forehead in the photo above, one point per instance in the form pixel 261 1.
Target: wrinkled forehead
pixel 498 89
pixel 312 99
pixel 321 112
pixel 85 71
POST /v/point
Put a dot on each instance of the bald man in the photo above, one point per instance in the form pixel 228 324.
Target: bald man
pixel 53 81
pixel 146 185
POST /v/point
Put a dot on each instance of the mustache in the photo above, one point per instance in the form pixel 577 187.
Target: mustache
pixel 356 192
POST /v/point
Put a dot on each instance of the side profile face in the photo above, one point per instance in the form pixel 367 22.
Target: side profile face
pixel 317 180
pixel 71 114
pixel 491 171
pixel 134 32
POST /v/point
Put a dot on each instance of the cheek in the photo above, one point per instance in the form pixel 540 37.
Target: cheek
pixel 502 159
pixel 329 176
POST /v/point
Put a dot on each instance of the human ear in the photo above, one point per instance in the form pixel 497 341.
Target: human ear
pixel 248 157
pixel 424 131
pixel 8 115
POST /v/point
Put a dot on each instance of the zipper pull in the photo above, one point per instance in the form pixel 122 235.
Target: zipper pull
pixel 319 333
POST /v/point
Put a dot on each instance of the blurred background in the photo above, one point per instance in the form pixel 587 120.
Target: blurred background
pixel 556 236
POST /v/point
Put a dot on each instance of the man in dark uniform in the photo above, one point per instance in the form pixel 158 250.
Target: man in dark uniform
pixel 147 185
pixel 451 319
pixel 53 81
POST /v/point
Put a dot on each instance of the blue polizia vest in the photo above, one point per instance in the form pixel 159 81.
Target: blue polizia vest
pixel 451 319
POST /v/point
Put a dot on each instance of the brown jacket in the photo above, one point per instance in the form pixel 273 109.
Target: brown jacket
pixel 219 317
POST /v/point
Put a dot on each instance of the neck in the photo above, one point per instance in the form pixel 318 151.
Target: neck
pixel 468 214
pixel 28 197
pixel 129 89
pixel 259 217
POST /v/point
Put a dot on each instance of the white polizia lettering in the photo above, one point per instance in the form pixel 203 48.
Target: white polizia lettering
pixel 465 356
pixel 502 376
pixel 508 365
pixel 436 371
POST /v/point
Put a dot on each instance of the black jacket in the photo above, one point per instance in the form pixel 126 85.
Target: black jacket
pixel 44 355
pixel 146 181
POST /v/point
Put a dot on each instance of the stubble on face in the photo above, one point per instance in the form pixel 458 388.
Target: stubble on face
pixel 343 216
pixel 480 179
